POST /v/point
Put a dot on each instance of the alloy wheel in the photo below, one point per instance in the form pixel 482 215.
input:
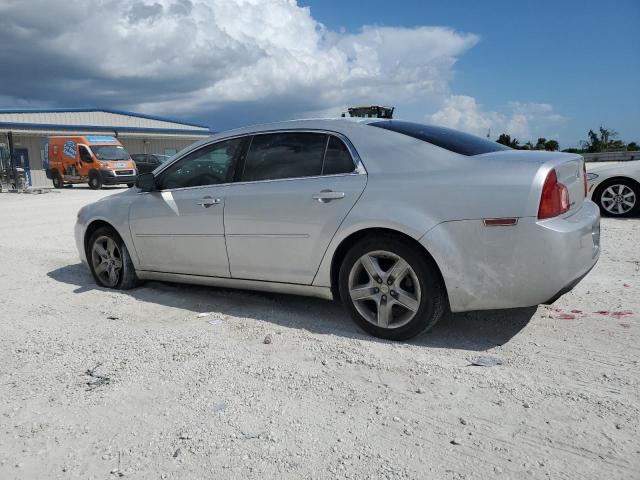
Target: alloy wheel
pixel 618 199
pixel 384 289
pixel 106 260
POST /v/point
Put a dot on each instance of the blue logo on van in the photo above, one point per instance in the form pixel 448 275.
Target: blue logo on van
pixel 69 149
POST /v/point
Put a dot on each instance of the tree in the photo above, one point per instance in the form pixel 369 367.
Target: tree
pixel 632 147
pixel 505 139
pixel 604 141
pixel 551 145
pixel 527 146
pixel 540 143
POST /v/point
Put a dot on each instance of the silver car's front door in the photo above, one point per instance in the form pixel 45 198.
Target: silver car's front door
pixel 180 227
pixel 181 231
pixel 278 229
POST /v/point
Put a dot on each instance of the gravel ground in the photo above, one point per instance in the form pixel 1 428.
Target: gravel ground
pixel 102 384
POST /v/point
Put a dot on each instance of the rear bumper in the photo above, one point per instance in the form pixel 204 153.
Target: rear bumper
pixel 523 265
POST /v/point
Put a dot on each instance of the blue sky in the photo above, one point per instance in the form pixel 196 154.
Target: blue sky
pixel 582 57
pixel 552 69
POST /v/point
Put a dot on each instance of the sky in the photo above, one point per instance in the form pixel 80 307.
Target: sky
pixel 547 68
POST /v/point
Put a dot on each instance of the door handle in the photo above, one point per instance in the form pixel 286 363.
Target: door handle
pixel 206 202
pixel 325 196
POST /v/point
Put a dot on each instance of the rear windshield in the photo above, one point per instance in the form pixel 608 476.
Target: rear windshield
pixel 109 152
pixel 452 140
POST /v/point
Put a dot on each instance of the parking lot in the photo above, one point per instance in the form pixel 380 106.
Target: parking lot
pixel 173 381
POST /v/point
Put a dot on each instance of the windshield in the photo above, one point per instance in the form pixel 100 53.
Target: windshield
pixel 109 152
pixel 163 158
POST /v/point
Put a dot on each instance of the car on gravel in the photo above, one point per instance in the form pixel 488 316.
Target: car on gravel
pixel 401 221
pixel 615 188
pixel 148 162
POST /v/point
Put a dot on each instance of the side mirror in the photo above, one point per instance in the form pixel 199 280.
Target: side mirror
pixel 146 182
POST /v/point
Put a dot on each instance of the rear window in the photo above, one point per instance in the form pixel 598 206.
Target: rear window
pixel 447 138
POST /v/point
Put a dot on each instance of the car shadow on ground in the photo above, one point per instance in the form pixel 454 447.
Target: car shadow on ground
pixel 477 331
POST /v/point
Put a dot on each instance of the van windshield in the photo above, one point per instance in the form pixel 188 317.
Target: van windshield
pixel 109 152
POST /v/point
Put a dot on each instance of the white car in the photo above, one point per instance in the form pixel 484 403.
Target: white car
pixel 615 188
pixel 401 221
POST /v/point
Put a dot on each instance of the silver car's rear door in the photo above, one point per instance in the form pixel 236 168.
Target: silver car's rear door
pixel 278 229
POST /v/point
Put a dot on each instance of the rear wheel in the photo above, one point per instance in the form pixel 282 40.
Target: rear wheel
pixel 57 180
pixel 391 289
pixel 109 260
pixel 618 198
pixel 95 182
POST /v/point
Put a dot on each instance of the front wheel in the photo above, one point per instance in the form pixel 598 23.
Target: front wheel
pixel 95 182
pixel 618 198
pixel 391 288
pixel 57 180
pixel 109 260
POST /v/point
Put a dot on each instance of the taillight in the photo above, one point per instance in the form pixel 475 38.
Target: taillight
pixel 584 177
pixel 555 197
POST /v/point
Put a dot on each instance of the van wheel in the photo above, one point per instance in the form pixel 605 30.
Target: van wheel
pixel 57 180
pixel 95 182
pixel 109 260
pixel 391 289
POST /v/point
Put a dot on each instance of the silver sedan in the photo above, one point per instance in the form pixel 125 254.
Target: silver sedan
pixel 401 221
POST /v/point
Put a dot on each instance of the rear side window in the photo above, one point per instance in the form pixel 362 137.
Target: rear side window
pixel 337 159
pixel 284 155
pixel 446 138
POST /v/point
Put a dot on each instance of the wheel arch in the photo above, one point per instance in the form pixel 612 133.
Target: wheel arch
pixel 349 241
pixel 91 228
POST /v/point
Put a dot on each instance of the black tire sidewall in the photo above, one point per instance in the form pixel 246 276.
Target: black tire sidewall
pixel 432 303
pixel 94 177
pixel 57 179
pixel 128 278
pixel 606 184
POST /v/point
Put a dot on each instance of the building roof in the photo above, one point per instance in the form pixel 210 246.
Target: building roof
pixel 98 119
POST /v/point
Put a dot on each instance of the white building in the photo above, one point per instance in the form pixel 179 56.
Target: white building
pixel 138 133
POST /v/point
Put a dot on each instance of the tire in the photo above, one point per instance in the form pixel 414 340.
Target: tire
pixel 95 182
pixel 414 301
pixel 109 260
pixel 618 198
pixel 56 179
pixel 130 185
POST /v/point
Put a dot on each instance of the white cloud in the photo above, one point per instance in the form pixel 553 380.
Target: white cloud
pixel 262 58
pixel 525 121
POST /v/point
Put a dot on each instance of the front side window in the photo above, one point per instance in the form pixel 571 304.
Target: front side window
pixel 337 159
pixel 284 155
pixel 109 152
pixel 210 165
